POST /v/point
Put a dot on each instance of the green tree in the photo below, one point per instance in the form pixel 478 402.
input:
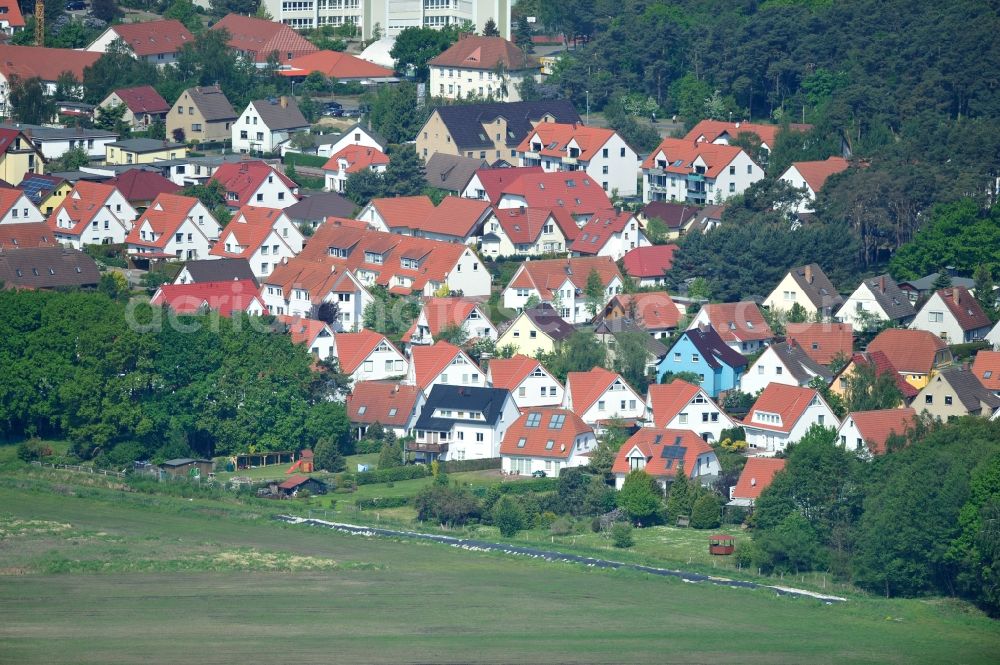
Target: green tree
pixel 212 193
pixel 415 46
pixel 490 28
pixel 404 176
pixel 185 12
pixel 631 354
pixel 640 497
pixel 327 456
pixel 508 516
pixel 223 7
pixel 594 291
pixel 706 512
pixel 112 118
pixel 394 113
pixel 446 505
pixel 621 535
pixel 453 334
pixel 986 295
pixel 391 455
pixel 363 186
pixel 797 314
pixel 522 34
pixel 580 352
pixel 28 102
pixel 681 496
pixel 70 160
pixel 959 234
pixel 67 88
pixel 105 10
pixel 868 391
pixel 327 421
pixel 791 546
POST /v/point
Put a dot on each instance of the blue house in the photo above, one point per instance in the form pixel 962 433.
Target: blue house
pixel 701 351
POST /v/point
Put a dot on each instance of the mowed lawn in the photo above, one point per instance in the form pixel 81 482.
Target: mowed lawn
pixel 96 576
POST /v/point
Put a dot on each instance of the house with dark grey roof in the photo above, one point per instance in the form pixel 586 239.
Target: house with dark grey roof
pixel 806 286
pixel 313 210
pixel 536 329
pixel 488 131
pixel 786 363
pixel 201 114
pixel 47 268
pixel 451 173
pixel 876 299
pixel 215 270
pixel 955 392
pixel 54 142
pixel 916 289
pixel 701 351
pixel 677 217
pixel 608 330
pixel 267 123
pixel 462 422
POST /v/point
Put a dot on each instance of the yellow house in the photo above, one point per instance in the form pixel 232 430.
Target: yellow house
pixel 806 286
pixel 19 157
pixel 536 330
pixel 45 191
pixel 143 151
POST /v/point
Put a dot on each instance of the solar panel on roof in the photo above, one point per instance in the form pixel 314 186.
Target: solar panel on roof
pixel 673 452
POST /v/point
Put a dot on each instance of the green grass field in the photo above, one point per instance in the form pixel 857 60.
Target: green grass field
pixel 96 575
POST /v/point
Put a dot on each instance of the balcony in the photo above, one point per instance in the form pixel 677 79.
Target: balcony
pixel 570 160
pixel 656 187
pixel 695 177
pixel 434 448
pixel 532 154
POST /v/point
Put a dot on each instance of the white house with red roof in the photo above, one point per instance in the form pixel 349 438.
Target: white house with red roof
pixel 202 297
pixel 648 264
pixel 811 176
pixel 315 335
pixel 144 106
pixel 741 325
pixel 11 19
pixel 255 183
pixel 303 288
pixel 575 193
pixel 339 66
pixel 368 356
pixel 265 237
pixel 527 380
pixel 92 214
pixel 867 432
pixel 546 440
pixel 174 227
pixel 393 405
pixel 438 314
pixel 47 64
pixel 355 135
pixel 156 42
pixel 462 422
pixel 601 395
pixel 683 170
pixel 352 159
pixel 681 405
pixel 723 133
pixel 255 39
pixel 455 219
pixel 782 415
pixel 757 475
pixel 443 363
pixel 986 367
pixel 662 453
pixel 562 283
pixel 17 208
pixel 528 232
pixel 487 67
pixel 489 184
pixel 954 315
pixel 599 152
pixel 609 233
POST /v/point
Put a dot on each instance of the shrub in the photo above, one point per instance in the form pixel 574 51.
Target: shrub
pixel 705 512
pixel 396 473
pixel 508 516
pixel 446 505
pixel 367 446
pixel 743 554
pixel 33 449
pixel 621 535
pixel 382 502
pixel 735 515
pixel 457 466
pixel 563 527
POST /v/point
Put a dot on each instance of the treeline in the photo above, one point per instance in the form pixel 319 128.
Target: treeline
pixel 126 381
pixel 923 519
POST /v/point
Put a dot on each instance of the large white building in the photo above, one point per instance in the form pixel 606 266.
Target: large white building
pixel 600 152
pixel 700 173
pixel 390 17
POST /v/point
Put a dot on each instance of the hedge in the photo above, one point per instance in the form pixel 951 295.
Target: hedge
pixel 382 502
pixel 304 159
pixel 529 486
pixel 456 466
pixel 408 472
pixel 966 351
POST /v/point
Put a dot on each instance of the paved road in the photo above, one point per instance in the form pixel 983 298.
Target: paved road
pixel 551 555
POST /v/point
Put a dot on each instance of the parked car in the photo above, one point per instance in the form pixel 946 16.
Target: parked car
pixel 75 5
pixel 538 474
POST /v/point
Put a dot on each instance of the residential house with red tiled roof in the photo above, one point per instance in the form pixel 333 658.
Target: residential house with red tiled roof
pixel 882 365
pixel 438 315
pixel 337 65
pixel 986 367
pixel 255 183
pixel 823 342
pixel 307 287
pixel 915 354
pixel 144 106
pixel 757 475
pixel 368 356
pixel 741 325
pixel 11 19
pixel 265 237
pixel 21 236
pixel 402 264
pixel 700 173
pixel 563 284
pixel 266 124
pixel 648 265
pixel 455 219
pixel 393 405
pixel 600 395
pixel 141 187
pixel 598 151
pixel 256 39
pixel 868 431
pixel 546 441
pixel 47 64
pixel 783 414
pixel 92 214
pixel 609 233
pixel 682 405
pixel 723 133
pixel 484 67
pixel 528 232
pixel 526 379
pixel 806 286
pixel 576 194
pixel 156 42
pixel 352 159
pixel 663 453
pixel 443 363
pixel 222 297
pixel 173 227
pixel 17 208
pixel 811 176
pixel 954 315
pixel 315 335
pixel 654 311
pixel 786 363
pixel 488 184
pixel 876 299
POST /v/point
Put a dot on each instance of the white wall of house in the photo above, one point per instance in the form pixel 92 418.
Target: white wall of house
pixel 860 301
pixel 269 254
pixel 382 363
pixel 551 239
pixel 734 179
pixel 786 294
pixel 707 464
pixel 468 276
pixel 298 302
pixel 621 242
pixel 768 442
pixel 357 136
pixel 935 317
pixel 461 371
pixel 572 307
pixel 251 134
pixel 109 225
pixel 101 44
pixel 552 466
pixel 187 242
pixel 795 179
pixel 700 415
pixel 456 83
pixel 767 369
pixel 617 401
pixel 272 193
pixel 322 347
pixel 22 212
pixel 336 181
pixel 615 166
pixel 538 389
pixel 850 437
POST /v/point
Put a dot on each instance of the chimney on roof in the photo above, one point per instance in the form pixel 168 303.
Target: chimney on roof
pixel 809 274
pixel 738 124
pixel 956 296
pixel 881 283
pixel 284 102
